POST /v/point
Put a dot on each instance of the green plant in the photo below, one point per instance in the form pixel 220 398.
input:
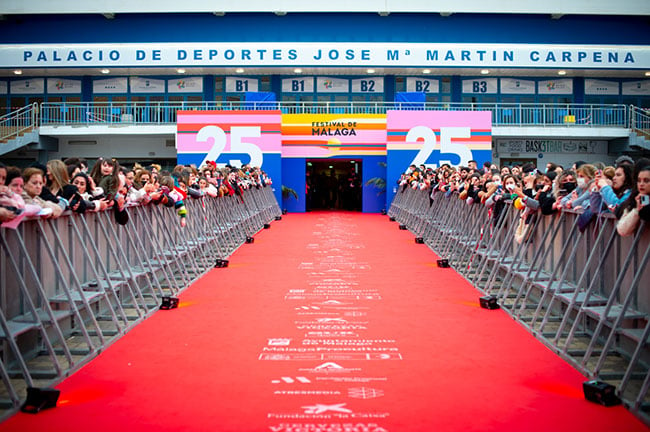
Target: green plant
pixel 287 192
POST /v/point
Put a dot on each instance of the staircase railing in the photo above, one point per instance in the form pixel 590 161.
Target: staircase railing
pixel 640 121
pixel 18 122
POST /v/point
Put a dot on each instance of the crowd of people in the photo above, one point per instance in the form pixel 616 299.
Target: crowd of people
pixel 69 185
pixel 622 189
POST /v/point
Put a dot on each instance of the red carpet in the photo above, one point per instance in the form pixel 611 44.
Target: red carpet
pixel 332 322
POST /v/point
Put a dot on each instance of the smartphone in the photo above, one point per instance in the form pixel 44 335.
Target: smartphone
pixel 645 200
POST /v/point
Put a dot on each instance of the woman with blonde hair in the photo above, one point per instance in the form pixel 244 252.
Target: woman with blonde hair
pixel 580 196
pixel 34 181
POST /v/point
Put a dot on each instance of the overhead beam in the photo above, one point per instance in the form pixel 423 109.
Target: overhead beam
pixel 548 7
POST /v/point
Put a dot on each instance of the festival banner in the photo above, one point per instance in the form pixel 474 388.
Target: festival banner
pixel 61 86
pixel 601 87
pixel 146 85
pixel 636 88
pixel 556 86
pixel 332 85
pixel 434 138
pixel 231 138
pixel 111 85
pixel 333 135
pixel 517 86
pixel 185 85
pixel 28 86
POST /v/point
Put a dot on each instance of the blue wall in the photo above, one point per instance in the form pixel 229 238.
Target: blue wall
pixel 373 199
pixel 353 27
pixel 293 176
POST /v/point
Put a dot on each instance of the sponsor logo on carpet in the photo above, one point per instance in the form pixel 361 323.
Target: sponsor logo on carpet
pixel 333 427
pixel 365 393
pixel 290 380
pixel 279 342
pixel 322 408
pixel 330 368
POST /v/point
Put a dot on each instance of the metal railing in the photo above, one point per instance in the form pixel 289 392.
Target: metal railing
pixel 640 121
pixel 71 286
pixel 18 122
pixel 582 293
pixel 503 114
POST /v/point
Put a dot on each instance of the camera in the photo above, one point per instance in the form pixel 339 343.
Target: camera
pixel 74 200
pixel 15 210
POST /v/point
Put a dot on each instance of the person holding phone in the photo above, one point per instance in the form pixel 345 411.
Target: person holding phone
pixel 617 190
pixel 637 206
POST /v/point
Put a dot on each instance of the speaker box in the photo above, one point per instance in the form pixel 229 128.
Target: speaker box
pixel 443 263
pixel 221 263
pixel 489 302
pixel 39 399
pixel 169 303
pixel 250 240
pixel 402 226
pixel 600 393
pixel 419 240
pixel 267 225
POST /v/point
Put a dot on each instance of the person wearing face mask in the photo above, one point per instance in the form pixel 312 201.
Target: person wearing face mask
pixel 545 194
pixel 580 196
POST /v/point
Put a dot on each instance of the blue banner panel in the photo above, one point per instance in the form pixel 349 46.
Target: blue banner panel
pixel 293 177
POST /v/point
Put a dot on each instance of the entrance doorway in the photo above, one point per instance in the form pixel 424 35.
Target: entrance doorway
pixel 334 184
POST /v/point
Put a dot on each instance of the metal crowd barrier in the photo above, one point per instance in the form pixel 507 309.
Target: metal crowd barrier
pixel 586 295
pixel 71 286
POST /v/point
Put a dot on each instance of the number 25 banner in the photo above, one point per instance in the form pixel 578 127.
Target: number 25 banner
pixel 434 138
pixel 231 137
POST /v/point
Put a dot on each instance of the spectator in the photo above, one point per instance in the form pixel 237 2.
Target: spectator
pixel 545 194
pixel 15 184
pixel 58 189
pixel 624 160
pixel 105 175
pixel 3 174
pixel 617 190
pixel 142 178
pixel 637 206
pixel 82 182
pixel 580 196
pixel 34 179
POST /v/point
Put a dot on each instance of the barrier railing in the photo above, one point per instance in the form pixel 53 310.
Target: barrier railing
pixel 640 121
pixel 503 114
pixel 71 286
pixel 584 294
pixel 18 122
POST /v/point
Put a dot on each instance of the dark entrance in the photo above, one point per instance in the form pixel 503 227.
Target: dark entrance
pixel 334 184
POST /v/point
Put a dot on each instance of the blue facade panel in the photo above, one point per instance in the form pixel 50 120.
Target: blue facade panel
pixel 319 28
